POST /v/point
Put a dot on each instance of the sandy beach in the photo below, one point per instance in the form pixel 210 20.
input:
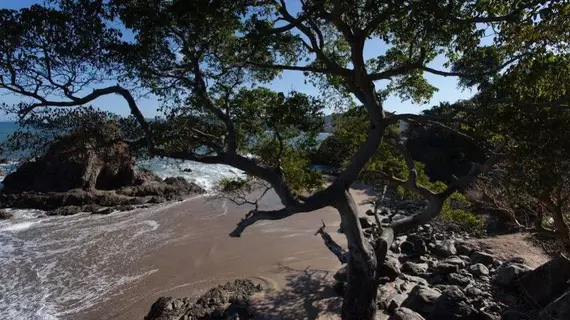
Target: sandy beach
pixel 285 255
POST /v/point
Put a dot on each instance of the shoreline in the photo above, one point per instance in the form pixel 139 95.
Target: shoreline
pixel 199 254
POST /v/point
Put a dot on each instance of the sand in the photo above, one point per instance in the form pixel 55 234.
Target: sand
pixel 285 255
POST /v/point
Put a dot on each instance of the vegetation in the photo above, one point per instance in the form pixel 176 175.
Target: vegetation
pixel 207 61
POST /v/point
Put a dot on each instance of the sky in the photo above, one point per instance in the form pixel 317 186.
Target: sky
pixel 289 80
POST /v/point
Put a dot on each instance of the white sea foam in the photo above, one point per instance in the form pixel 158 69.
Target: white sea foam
pixel 55 267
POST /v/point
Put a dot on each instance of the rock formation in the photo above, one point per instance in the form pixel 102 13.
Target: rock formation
pixel 82 172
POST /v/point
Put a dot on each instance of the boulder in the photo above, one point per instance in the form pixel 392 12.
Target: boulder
pixel 365 222
pixel 478 270
pixel 405 314
pixel 444 249
pixel 458 279
pixel 547 282
pixel 452 305
pixel 415 269
pixel 422 299
pixel 446 268
pixel 557 309
pixel 77 161
pixel 482 257
pixel 220 302
pixel 509 272
pixel 390 268
pixel 407 247
pixel 5 214
pixel 455 260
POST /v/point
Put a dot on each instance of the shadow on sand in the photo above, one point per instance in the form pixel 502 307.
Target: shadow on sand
pixel 306 295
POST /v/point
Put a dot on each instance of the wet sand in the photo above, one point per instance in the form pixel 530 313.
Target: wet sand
pixel 198 254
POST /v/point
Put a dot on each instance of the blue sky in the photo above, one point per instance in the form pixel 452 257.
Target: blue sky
pixel 290 80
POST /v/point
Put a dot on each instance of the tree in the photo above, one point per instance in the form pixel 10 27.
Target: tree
pixel 204 59
pixel 528 109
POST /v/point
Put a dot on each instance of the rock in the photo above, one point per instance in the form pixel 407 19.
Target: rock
pixel 482 257
pixel 407 247
pixel 464 250
pixel 186 170
pixel 65 211
pixel 78 161
pixel 365 222
pixel 452 305
pixel 369 212
pixel 420 247
pixel 557 309
pixel 396 302
pixel 455 260
pixel 220 302
pixel 341 275
pixel 390 268
pixel 444 249
pixel 458 279
pixel 414 269
pixel 509 272
pixel 5 214
pixel 446 268
pixel 405 314
pixel 421 299
pixel 516 315
pixel 478 270
pixel 474 292
pixel 547 282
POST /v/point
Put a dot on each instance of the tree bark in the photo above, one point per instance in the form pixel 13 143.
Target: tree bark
pixel 562 229
pixel 360 295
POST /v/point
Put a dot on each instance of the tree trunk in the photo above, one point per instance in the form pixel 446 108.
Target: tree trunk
pixel 360 294
pixel 562 229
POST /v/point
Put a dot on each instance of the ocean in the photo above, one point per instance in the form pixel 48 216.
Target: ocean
pixel 54 268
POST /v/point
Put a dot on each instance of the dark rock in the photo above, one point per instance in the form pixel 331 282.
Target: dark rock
pixel 396 302
pixel 478 270
pixel 338 288
pixel 219 303
pixel 474 292
pixel 420 247
pixel 407 247
pixel 464 250
pixel 365 222
pixel 547 282
pixel 446 268
pixel 186 170
pixel 390 268
pixel 341 275
pixel 77 161
pixel 452 305
pixel 65 211
pixel 482 257
pixel 517 315
pixel 369 212
pixel 405 314
pixel 455 260
pixel 557 309
pixel 415 269
pixel 458 279
pixel 422 299
pixel 509 272
pixel 444 249
pixel 5 214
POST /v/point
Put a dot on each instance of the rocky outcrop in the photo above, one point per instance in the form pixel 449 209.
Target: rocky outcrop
pixel 224 302
pixel 439 275
pixel 5 214
pixel 557 309
pixel 547 282
pixel 77 161
pixel 81 173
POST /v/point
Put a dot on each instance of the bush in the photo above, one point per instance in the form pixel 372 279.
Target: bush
pixel 331 152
